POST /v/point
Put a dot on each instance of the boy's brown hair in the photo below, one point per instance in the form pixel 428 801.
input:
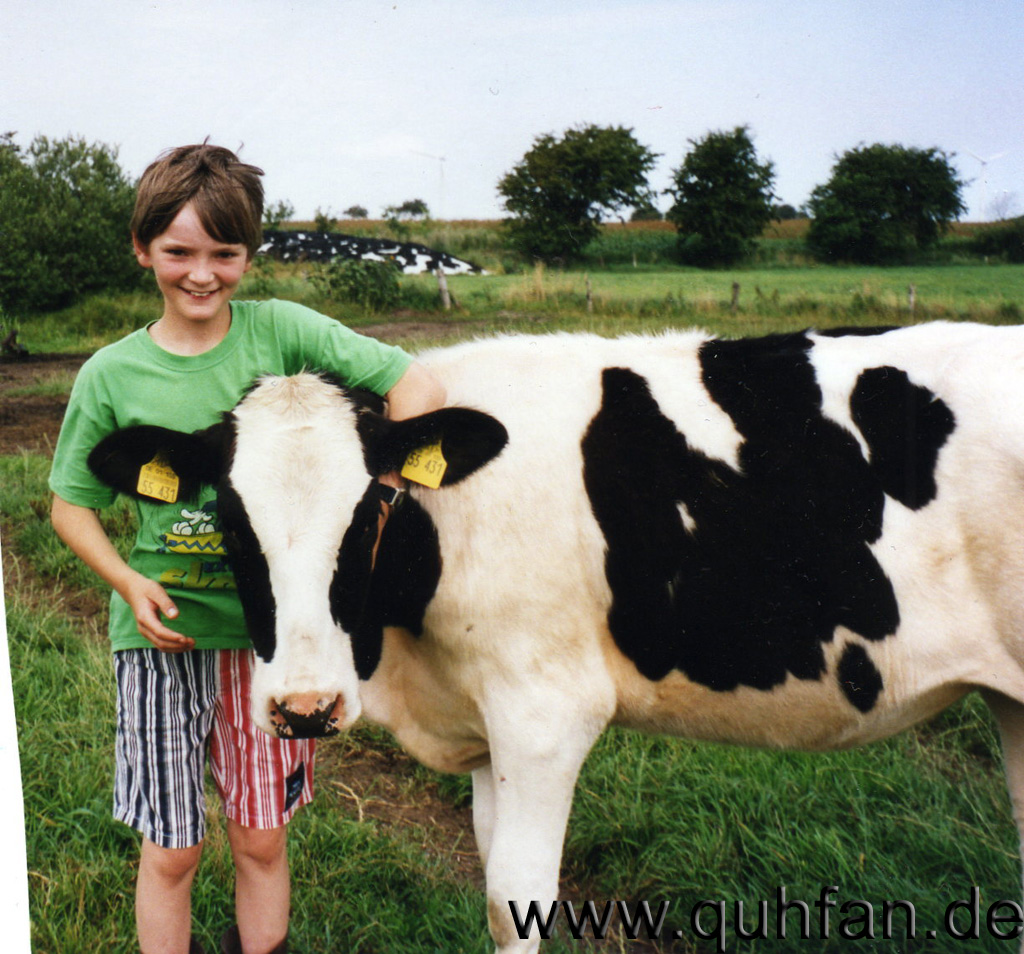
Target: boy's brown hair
pixel 226 193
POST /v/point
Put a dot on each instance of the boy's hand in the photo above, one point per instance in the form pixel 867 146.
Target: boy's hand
pixel 80 528
pixel 148 601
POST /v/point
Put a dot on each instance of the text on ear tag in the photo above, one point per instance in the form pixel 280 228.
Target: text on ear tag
pixel 157 480
pixel 426 465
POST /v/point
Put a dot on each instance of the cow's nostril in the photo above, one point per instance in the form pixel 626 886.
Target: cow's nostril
pixel 337 715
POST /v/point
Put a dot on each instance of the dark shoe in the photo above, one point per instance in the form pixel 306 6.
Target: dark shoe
pixel 231 943
pixel 194 947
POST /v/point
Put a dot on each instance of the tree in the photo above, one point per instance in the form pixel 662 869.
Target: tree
pixel 723 198
pixel 276 213
pixel 646 213
pixel 411 209
pixel 560 189
pixel 883 203
pixel 323 221
pixel 356 212
pixel 784 212
pixel 65 206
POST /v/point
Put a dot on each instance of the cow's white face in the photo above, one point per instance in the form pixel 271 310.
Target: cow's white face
pixel 295 466
pixel 299 476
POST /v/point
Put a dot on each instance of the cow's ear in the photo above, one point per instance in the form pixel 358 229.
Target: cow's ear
pixel 199 458
pixel 469 439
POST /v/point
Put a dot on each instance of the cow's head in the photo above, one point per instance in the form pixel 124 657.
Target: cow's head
pixel 295 467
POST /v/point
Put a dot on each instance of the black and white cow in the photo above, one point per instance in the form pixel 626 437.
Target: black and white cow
pixel 808 540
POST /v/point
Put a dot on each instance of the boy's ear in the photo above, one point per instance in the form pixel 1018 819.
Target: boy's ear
pixel 120 459
pixel 141 252
pixel 469 439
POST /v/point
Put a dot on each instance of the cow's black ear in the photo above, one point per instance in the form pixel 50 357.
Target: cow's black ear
pixel 469 439
pixel 196 459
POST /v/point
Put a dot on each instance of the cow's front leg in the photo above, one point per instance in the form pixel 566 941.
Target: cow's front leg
pixel 533 771
pixel 483 811
pixel 1010 716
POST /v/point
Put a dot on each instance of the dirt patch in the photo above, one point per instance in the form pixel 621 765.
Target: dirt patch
pixel 380 785
pixel 397 331
pixel 29 417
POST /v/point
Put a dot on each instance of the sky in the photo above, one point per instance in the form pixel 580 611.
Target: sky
pixel 375 102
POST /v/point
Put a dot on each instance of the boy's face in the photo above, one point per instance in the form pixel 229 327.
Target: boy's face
pixel 196 274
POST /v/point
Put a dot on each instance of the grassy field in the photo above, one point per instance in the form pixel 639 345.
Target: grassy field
pixel 921 818
pixel 621 301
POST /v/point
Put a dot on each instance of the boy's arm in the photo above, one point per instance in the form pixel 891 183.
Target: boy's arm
pixel 80 528
pixel 418 391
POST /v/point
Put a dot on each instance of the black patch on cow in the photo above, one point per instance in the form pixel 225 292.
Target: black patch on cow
pixel 250 569
pixel 469 439
pixel 779 556
pixel 860 681
pixel 402 582
pixel 861 332
pixel 197 459
pixel 350 587
pixel 408 568
pixel 905 426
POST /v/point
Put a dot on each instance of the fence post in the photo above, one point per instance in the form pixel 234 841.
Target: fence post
pixel 590 296
pixel 442 285
pixel 911 298
pixel 735 303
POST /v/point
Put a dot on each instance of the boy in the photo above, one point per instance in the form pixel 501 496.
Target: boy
pixel 197 224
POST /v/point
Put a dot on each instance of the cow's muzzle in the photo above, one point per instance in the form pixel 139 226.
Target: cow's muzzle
pixel 307 716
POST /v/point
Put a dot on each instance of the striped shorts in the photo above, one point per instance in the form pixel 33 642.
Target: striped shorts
pixel 174 709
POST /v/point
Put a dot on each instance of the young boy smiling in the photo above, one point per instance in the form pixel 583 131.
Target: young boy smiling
pixel 183 691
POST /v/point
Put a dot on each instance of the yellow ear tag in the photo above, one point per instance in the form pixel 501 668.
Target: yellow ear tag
pixel 426 466
pixel 157 480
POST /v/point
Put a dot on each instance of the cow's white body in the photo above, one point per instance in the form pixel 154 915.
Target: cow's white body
pixel 516 674
pixel 516 671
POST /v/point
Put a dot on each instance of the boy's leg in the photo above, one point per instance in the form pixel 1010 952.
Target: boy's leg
pixel 262 886
pixel 163 910
pixel 262 781
pixel 165 709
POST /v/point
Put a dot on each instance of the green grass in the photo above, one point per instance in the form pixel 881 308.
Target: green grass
pixel 641 299
pixel 664 819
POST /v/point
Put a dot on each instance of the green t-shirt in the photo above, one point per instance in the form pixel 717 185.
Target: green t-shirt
pixel 134 381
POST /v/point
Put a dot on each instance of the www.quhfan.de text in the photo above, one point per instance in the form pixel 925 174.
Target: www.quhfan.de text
pixel 783 918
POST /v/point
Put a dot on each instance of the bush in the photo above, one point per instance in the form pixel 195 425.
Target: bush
pixel 373 286
pixel 277 213
pixel 65 206
pixel 1002 241
pixel 324 221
